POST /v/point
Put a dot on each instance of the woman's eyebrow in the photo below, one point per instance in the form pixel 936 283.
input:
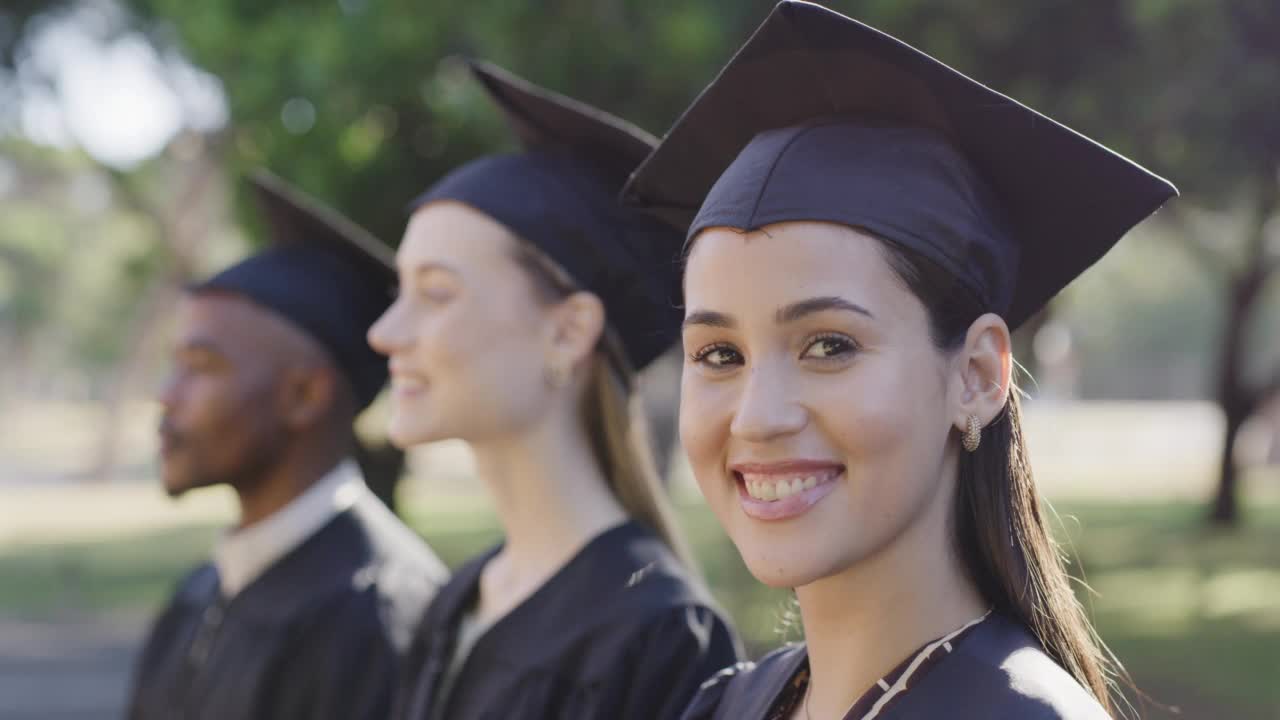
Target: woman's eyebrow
pixel 710 318
pixel 796 310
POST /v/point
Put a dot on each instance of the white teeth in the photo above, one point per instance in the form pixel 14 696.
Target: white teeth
pixel 769 491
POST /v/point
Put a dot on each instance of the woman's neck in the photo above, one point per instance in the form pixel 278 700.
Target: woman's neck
pixel 864 621
pixel 551 498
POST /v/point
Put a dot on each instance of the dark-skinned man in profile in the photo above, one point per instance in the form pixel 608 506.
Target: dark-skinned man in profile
pixel 309 601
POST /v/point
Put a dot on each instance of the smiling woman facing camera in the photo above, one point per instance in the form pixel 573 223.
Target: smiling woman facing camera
pixel 527 295
pixel 871 225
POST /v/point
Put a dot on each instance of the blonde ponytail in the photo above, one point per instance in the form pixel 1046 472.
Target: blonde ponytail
pixel 615 421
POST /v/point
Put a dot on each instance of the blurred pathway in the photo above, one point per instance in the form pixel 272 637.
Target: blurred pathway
pixel 67 669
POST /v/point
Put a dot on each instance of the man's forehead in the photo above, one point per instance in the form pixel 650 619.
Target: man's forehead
pixel 214 309
pixel 235 323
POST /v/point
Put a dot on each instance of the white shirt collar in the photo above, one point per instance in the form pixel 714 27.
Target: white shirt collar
pixel 243 555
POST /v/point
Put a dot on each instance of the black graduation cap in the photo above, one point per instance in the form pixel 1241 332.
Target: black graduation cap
pixel 561 194
pixel 321 272
pixel 820 117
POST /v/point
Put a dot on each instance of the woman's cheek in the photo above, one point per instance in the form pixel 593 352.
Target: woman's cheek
pixel 706 412
pixel 461 343
pixel 869 409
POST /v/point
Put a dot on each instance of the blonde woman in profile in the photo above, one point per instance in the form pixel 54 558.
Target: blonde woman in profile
pixel 528 298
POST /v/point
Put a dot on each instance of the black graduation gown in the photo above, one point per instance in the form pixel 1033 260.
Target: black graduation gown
pixel 618 633
pixel 316 636
pixel 997 672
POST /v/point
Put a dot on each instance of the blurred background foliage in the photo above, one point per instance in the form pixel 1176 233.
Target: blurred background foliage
pixel 359 102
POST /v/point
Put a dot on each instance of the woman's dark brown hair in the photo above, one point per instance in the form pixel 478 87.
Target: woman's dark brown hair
pixel 1000 531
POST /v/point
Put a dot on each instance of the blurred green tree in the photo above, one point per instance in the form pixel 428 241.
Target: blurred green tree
pixel 355 100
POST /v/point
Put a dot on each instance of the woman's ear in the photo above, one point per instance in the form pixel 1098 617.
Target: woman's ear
pixel 983 372
pixel 577 323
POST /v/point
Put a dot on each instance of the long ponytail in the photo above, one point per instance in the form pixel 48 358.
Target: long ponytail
pixel 1000 532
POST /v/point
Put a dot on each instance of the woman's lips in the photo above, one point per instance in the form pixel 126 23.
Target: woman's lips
pixel 407 386
pixel 778 491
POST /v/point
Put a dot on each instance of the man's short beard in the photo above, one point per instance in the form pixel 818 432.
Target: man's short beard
pixel 257 462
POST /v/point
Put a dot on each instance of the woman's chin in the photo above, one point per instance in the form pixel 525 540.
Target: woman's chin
pixel 781 571
pixel 785 578
pixel 404 434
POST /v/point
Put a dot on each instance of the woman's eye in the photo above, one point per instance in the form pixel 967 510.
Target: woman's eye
pixel 827 347
pixel 717 356
pixel 436 294
pixel 197 363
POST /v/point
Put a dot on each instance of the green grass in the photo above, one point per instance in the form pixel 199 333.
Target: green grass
pixel 1194 614
pixel 134 571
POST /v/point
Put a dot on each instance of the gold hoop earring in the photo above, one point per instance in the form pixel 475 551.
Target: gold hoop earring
pixel 973 434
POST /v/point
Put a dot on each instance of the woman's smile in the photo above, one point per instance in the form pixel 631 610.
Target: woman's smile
pixel 784 490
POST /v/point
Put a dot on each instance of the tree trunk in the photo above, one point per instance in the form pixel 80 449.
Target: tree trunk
pixel 1226 504
pixel 1234 399
pixel 1225 511
pixel 1245 287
